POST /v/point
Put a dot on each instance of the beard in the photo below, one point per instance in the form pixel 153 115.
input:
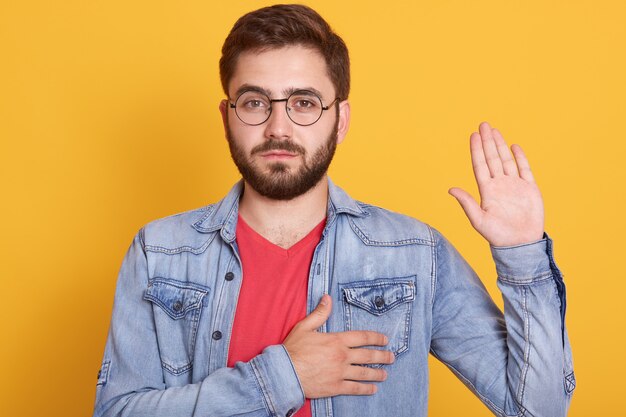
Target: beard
pixel 280 183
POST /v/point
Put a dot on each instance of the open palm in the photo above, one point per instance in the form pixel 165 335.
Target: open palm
pixel 511 208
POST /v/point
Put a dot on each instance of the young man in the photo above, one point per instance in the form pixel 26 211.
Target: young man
pixel 210 314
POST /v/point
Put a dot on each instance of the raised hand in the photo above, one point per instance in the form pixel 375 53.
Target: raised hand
pixel 327 363
pixel 511 207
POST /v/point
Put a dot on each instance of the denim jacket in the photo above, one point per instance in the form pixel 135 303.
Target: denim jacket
pixel 177 291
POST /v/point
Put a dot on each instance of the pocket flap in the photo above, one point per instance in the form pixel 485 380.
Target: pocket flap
pixel 379 296
pixel 174 297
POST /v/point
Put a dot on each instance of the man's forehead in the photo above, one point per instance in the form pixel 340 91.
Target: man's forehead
pixel 280 71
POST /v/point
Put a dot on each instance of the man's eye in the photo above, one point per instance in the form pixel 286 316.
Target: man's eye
pixel 254 104
pixel 303 104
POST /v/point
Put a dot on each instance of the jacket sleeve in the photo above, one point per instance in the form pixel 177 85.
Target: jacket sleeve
pixel 519 363
pixel 131 383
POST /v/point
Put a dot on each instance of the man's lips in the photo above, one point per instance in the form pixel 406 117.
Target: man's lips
pixel 278 154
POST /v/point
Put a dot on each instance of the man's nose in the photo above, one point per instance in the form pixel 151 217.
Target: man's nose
pixel 279 125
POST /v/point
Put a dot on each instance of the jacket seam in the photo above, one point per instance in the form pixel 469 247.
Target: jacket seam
pixel 545 276
pixel 263 387
pixel 180 249
pixel 433 267
pixel 142 239
pixel 402 242
pixel 526 315
pixel 294 371
pixel 483 398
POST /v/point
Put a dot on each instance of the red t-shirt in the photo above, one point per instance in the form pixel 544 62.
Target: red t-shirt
pixel 273 293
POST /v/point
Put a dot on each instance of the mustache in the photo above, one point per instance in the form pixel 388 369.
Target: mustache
pixel 278 145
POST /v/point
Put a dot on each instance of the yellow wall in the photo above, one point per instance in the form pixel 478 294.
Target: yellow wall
pixel 109 119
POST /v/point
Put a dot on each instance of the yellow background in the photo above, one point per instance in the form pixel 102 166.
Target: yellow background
pixel 109 119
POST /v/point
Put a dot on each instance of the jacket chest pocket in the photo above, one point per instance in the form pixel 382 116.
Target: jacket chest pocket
pixel 177 307
pixel 381 305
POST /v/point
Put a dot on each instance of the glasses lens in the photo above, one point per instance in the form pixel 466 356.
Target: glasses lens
pixel 253 107
pixel 304 107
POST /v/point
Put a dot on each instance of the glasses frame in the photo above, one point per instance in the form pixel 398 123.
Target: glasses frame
pixel 278 100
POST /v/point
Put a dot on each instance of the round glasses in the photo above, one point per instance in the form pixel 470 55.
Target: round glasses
pixel 303 107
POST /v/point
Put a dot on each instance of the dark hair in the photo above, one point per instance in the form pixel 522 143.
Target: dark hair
pixel 285 25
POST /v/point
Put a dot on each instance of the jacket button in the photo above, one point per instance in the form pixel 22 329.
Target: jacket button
pixel 290 412
pixel 177 306
pixel 217 335
pixel 229 276
pixel 379 301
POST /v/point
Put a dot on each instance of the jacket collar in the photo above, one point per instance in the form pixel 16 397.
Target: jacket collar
pixel 223 215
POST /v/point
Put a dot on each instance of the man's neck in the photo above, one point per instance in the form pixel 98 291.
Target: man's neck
pixel 282 222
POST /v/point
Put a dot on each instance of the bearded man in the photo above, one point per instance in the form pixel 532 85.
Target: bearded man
pixel 288 297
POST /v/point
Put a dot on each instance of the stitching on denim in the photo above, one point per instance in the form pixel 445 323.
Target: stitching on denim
pixel 349 210
pixel 329 407
pixel 268 400
pixel 293 368
pixel 553 266
pixel 560 285
pixel 433 267
pixel 347 314
pixel 103 374
pixel 380 283
pixel 407 331
pixel 401 242
pixel 194 333
pixel 167 310
pixel 180 249
pixel 545 276
pixel 142 239
pixel 209 210
pixel 198 294
pixel 185 285
pixel 526 365
pixel 176 370
pixel 230 217
pixel 570 382
pixel 216 317
pixel 521 245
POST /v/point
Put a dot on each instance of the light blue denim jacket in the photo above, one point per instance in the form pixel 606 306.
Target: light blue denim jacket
pixel 177 293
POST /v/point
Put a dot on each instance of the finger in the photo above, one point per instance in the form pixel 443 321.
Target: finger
pixel 364 373
pixel 356 338
pixel 318 316
pixel 508 163
pixel 369 356
pixel 479 164
pixel 522 164
pixel 471 208
pixel 490 150
pixel 356 388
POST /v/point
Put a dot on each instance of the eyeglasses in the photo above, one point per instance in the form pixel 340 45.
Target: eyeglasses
pixel 303 107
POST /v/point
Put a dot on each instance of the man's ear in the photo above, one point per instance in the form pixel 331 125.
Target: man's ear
pixel 224 113
pixel 344 120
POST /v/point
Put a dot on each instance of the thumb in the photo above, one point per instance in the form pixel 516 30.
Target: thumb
pixel 470 206
pixel 319 315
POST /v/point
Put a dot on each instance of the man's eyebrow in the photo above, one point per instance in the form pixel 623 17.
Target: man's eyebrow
pixel 287 92
pixel 250 87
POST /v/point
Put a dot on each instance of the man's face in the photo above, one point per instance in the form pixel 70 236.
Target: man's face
pixel 280 159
